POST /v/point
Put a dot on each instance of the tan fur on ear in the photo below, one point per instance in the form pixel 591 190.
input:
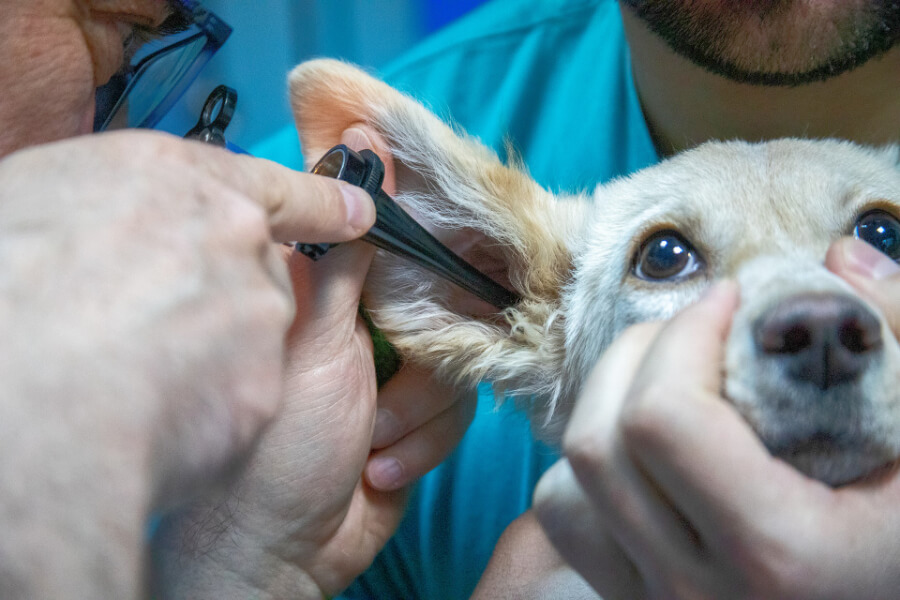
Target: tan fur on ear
pixel 450 182
pixel 327 96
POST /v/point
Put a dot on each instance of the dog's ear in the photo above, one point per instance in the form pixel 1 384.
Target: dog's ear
pixel 481 208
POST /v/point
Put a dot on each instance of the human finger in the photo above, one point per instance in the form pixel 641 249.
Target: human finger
pixel 407 401
pixel 578 531
pixel 641 520
pixel 419 420
pixel 425 446
pixel 594 413
pixel 874 274
pixel 327 295
pixel 338 282
pixel 300 206
pixel 687 438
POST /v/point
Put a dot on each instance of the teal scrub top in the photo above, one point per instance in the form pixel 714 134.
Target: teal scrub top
pixel 552 77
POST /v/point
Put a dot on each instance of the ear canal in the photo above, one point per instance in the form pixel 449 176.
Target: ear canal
pixel 450 183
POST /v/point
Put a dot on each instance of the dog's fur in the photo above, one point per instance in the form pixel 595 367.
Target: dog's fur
pixel 763 214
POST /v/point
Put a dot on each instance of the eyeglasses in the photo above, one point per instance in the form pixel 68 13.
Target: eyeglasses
pixel 162 69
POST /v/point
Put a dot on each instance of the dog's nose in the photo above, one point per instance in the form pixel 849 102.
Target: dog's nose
pixel 820 338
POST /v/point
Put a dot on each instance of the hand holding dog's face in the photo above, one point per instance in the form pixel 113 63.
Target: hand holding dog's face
pixel 676 497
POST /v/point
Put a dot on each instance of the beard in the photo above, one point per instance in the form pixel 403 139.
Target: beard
pixel 774 42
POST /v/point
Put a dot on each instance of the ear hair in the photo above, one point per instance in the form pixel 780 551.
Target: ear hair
pixel 451 182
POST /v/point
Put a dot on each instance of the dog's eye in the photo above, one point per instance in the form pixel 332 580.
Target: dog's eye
pixel 880 229
pixel 666 255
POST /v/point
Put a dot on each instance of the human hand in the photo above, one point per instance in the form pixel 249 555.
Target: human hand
pixel 676 497
pixel 143 311
pixel 873 274
pixel 301 521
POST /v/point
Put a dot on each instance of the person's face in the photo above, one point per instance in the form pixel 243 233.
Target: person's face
pixel 55 54
pixel 774 42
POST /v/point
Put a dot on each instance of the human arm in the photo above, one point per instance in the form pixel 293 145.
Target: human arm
pixel 131 262
pixel 684 500
pixel 526 565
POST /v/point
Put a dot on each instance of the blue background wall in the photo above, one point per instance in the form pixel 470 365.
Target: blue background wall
pixel 271 36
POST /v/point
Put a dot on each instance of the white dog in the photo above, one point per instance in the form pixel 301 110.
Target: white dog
pixel 811 366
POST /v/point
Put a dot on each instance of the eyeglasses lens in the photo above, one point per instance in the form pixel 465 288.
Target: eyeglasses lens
pixel 161 70
pixel 155 81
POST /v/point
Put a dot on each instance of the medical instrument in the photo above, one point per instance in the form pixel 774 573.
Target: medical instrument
pixel 215 116
pixel 397 232
pixel 394 230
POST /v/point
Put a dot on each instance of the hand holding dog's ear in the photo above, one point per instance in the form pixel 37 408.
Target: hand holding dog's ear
pixel 419 420
pixel 875 275
pixel 143 311
pixel 301 522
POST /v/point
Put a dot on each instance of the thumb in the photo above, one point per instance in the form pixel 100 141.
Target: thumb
pixel 327 292
pixel 875 275
pixel 330 289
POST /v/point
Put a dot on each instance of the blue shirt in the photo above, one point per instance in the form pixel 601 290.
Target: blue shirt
pixel 553 78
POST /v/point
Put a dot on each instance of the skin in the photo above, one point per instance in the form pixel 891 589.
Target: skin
pixel 775 42
pixel 686 104
pixel 61 51
pixel 307 532
pixel 652 451
pixel 151 364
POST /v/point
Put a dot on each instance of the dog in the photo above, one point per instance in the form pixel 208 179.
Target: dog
pixel 811 366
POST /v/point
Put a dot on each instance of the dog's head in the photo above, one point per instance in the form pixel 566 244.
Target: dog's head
pixel 811 366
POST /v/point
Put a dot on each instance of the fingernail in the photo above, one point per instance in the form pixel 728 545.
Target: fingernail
pixel 385 473
pixel 864 259
pixel 360 208
pixel 386 428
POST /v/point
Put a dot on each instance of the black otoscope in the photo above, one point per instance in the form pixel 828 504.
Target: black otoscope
pixel 394 230
pixel 397 232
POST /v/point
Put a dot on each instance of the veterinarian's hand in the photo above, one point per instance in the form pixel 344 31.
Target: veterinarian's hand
pixel 302 522
pixel 676 497
pixel 143 310
pixel 419 419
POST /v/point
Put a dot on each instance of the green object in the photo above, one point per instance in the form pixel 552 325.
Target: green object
pixel 387 360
